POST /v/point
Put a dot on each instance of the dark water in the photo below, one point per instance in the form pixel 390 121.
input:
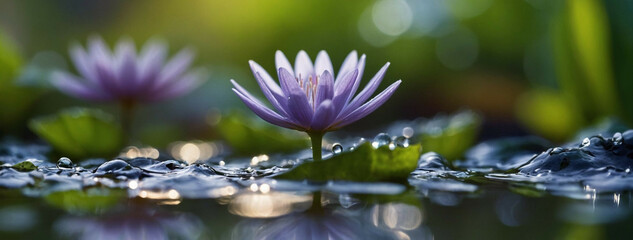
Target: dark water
pixel 515 188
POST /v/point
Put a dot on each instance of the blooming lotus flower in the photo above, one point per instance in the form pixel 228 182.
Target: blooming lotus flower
pixel 122 75
pixel 311 98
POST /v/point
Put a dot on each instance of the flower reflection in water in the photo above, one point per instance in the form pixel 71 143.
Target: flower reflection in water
pixel 271 216
pixel 140 223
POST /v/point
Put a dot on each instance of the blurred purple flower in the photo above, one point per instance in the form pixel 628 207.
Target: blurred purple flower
pixel 121 75
pixel 311 98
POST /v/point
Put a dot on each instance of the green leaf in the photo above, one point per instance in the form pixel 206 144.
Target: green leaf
pixel 15 100
pixel 364 164
pixel 535 107
pixel 92 200
pixel 80 133
pixel 450 136
pixel 24 166
pixel 248 136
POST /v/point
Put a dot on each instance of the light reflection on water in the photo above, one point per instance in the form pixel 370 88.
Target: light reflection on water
pixel 268 205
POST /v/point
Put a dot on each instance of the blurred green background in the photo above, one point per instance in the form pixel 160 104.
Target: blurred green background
pixel 538 67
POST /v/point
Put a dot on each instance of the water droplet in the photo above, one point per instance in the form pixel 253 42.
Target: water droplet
pixel 617 138
pixel 407 132
pixel 585 143
pixel 556 150
pixel 401 141
pixel 381 140
pixel 337 148
pixel 64 163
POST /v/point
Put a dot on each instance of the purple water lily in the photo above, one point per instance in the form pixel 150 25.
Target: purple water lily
pixel 121 75
pixel 311 98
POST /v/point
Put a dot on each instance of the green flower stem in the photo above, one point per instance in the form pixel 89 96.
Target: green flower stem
pixel 127 120
pixel 316 138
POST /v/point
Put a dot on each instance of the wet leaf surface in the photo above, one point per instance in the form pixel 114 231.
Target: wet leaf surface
pixel 363 164
pixel 80 133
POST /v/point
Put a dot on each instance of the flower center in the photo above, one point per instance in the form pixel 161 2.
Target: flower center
pixel 309 86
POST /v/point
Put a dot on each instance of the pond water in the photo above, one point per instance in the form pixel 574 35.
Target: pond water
pixel 513 188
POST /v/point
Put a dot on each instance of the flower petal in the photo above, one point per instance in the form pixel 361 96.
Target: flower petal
pixel 178 88
pixel 282 62
pixel 98 50
pixel 348 65
pixel 304 69
pixel 300 109
pixel 150 61
pixel 83 62
pixel 280 102
pixel 126 79
pixel 342 90
pixel 75 87
pixel 368 107
pixel 361 68
pixel 270 82
pixel 175 67
pixel 289 83
pixel 264 112
pixel 325 88
pixel 369 89
pixel 323 116
pixel 323 63
pixel 107 78
pixel 245 92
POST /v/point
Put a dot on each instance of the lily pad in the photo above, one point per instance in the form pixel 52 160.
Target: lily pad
pixel 451 135
pixel 92 200
pixel 364 164
pixel 247 136
pixel 80 133
pixel 24 166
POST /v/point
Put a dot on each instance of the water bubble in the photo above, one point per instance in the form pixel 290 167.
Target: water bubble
pixel 401 141
pixel 337 148
pixel 408 132
pixel 64 163
pixel 585 143
pixel 617 138
pixel 556 150
pixel 381 140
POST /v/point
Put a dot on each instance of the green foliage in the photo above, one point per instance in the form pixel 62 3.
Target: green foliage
pixel 549 114
pixel 15 101
pixel 364 164
pixel 247 136
pixel 92 200
pixel 24 166
pixel 592 57
pixel 80 133
pixel 450 136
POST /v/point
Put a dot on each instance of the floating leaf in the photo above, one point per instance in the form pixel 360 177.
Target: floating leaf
pixel 24 166
pixel 450 136
pixel 80 133
pixel 92 200
pixel 364 164
pixel 247 136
